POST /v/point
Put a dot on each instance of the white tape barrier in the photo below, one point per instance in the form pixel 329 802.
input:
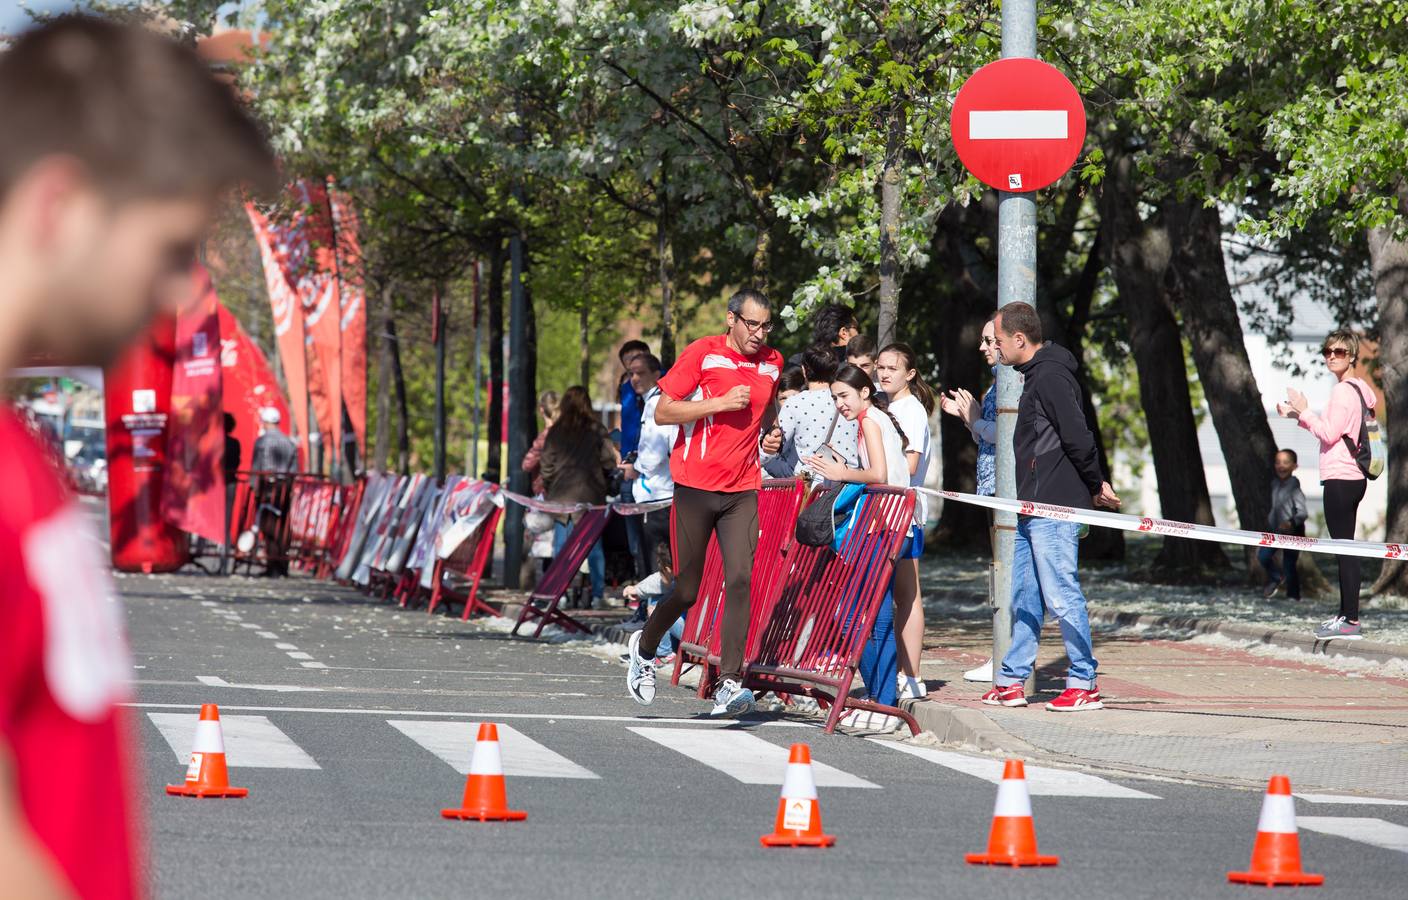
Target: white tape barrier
pixel 1168 527
pixel 567 509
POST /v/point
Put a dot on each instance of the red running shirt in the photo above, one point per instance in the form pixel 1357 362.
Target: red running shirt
pixel 720 452
pixel 63 668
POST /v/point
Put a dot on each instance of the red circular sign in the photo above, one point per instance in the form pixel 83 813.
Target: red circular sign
pixel 1018 124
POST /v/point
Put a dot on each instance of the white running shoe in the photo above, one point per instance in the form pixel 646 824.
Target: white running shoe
pixel 731 700
pixel 911 688
pixel 982 673
pixel 868 720
pixel 640 673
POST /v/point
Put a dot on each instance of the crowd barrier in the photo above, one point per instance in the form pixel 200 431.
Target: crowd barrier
pixel 558 578
pixel 778 504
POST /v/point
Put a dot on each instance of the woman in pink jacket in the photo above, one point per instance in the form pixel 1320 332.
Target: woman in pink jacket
pixel 1340 475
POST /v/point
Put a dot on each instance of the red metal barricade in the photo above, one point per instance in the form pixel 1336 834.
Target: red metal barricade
pixel 812 636
pixel 778 504
pixel 558 578
pixel 261 511
pixel 472 564
pixel 342 525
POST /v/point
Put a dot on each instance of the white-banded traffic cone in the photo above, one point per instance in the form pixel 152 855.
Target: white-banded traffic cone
pixel 485 793
pixel 798 812
pixel 1276 853
pixel 207 775
pixel 1012 841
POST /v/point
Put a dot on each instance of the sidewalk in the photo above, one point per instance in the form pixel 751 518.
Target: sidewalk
pixel 1184 705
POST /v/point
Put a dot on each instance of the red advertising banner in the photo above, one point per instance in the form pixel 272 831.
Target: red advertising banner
pixel 248 384
pixel 288 324
pixel 193 491
pixel 313 273
pixel 353 296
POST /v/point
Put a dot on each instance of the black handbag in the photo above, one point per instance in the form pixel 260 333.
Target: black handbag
pixel 819 521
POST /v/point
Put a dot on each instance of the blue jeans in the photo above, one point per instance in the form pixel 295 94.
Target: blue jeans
pixel 596 558
pixel 879 661
pixel 671 641
pixel 1274 571
pixel 1044 577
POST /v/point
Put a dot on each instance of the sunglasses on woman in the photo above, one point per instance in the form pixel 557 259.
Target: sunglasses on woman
pixel 1336 352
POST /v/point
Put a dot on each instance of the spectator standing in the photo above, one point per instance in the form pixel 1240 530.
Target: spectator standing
pixel 273 459
pixel 632 404
pixel 981 421
pixel 1287 516
pixel 1344 482
pixel 911 403
pixel 118 145
pixel 649 474
pixel 792 383
pixel 532 460
pixel 806 419
pixel 833 326
pixel 1057 464
pixel 577 457
pixel 721 392
pixel 881 448
pixel 860 352
pixel 230 465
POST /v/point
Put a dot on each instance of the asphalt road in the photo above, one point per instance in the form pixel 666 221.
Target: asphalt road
pixel 351 725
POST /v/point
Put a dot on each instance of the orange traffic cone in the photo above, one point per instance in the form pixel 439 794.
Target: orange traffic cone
pixel 1276 853
pixel 485 798
pixel 798 813
pixel 206 776
pixel 1013 838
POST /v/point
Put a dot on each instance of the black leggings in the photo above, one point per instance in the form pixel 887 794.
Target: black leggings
pixel 1341 508
pixel 695 516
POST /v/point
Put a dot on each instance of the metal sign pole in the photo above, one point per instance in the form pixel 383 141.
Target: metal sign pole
pixel 1016 281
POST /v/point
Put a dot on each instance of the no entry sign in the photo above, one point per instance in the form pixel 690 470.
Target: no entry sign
pixel 1018 124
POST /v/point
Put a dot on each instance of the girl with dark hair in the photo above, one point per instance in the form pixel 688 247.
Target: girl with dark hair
pixel 881 448
pixel 911 403
pixel 578 456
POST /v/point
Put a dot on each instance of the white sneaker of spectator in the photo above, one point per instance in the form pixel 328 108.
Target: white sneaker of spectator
pixel 982 673
pixel 869 720
pixel 911 688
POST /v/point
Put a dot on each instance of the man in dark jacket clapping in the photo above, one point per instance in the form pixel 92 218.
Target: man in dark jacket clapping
pixel 1057 464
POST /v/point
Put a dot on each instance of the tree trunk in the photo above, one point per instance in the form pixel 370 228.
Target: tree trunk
pixel 762 249
pixel 493 465
pixel 1139 256
pixel 398 378
pixel 890 177
pixel 665 253
pixel 584 345
pixel 1210 321
pixel 967 286
pixel 1389 260
pixel 382 450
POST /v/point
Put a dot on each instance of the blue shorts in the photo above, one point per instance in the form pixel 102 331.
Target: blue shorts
pixel 913 547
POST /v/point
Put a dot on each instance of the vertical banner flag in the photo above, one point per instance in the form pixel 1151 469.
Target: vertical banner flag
pixel 248 384
pixel 288 325
pixel 193 492
pixel 303 244
pixel 353 296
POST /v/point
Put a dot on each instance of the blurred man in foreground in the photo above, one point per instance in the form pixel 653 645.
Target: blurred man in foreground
pixel 117 144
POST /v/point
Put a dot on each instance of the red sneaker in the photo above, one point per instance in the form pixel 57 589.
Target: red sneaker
pixel 1076 700
pixel 1005 695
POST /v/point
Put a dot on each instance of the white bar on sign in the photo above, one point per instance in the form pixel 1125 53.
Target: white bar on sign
pixel 1017 124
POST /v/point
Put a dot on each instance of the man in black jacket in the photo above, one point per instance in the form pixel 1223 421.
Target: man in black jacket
pixel 1057 464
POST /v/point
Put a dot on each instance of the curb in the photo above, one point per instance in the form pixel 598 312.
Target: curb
pixel 1371 650
pixel 964 727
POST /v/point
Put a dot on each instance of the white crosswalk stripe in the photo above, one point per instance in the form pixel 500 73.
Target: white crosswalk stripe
pixel 744 757
pixel 1040 781
pixel 1350 800
pixel 1374 832
pixel 522 756
pixel 250 741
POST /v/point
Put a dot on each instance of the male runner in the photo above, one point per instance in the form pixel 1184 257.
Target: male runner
pixel 115 146
pixel 722 391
